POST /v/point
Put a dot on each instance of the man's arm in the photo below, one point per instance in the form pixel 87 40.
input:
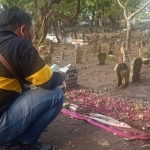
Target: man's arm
pixel 34 70
pixel 56 80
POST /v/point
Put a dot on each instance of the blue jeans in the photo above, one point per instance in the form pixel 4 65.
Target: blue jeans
pixel 29 115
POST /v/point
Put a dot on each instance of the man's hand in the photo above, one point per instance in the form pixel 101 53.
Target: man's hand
pixel 63 76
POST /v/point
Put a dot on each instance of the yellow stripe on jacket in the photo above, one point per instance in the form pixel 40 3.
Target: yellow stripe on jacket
pixel 10 84
pixel 41 76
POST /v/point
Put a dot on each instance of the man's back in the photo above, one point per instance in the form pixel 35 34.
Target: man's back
pixel 24 59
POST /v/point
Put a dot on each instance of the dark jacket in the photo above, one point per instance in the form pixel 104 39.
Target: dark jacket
pixel 24 58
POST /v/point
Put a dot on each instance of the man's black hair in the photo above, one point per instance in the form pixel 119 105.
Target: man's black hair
pixel 14 17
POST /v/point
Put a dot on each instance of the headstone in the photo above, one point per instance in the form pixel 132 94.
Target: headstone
pixel 105 48
pixel 47 58
pixel 77 46
pixel 72 76
pixel 110 45
pixel 98 48
pixel 49 42
pixel 125 77
pixel 144 51
pixel 62 55
pixel 78 56
pixel 83 35
pixel 104 38
pixel 122 74
pixel 146 33
pixel 94 48
pixel 135 69
pixel 81 41
pixel 50 49
pixel 97 37
pixel 41 50
pixel 101 58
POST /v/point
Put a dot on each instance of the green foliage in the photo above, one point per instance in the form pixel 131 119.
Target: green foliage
pixel 65 7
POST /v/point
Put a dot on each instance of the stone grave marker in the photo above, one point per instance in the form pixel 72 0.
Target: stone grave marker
pixel 104 38
pixel 122 74
pixel 51 48
pixel 105 48
pixel 78 56
pixel 117 44
pixel 41 50
pixel 62 55
pixel 98 48
pixel 77 46
pixel 81 41
pixel 94 47
pixel 144 51
pixel 101 58
pixel 72 76
pixel 135 68
pixel 47 58
pixel 111 45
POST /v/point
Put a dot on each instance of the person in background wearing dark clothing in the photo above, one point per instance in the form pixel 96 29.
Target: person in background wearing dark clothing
pixel 25 115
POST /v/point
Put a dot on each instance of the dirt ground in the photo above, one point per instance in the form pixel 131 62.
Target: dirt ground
pixel 70 134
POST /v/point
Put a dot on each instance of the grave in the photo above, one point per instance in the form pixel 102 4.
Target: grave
pixel 50 48
pixel 80 41
pixel 41 50
pixel 45 55
pixel 105 48
pixel 78 56
pixel 94 48
pixel 47 58
pixel 77 46
pixel 135 68
pixel 122 74
pixel 111 45
pixel 62 55
pixel 108 35
pixel 101 58
pixel 98 47
pixel 72 76
pixel 144 51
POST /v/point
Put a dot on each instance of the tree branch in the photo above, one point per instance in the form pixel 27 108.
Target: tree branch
pixel 139 10
pixel 77 10
pixel 120 4
pixel 126 3
pixel 124 8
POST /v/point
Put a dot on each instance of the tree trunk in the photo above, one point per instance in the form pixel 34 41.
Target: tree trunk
pixel 126 55
pixel 55 31
pixel 128 36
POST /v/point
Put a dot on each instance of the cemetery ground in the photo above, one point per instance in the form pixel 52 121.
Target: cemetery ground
pixel 71 134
